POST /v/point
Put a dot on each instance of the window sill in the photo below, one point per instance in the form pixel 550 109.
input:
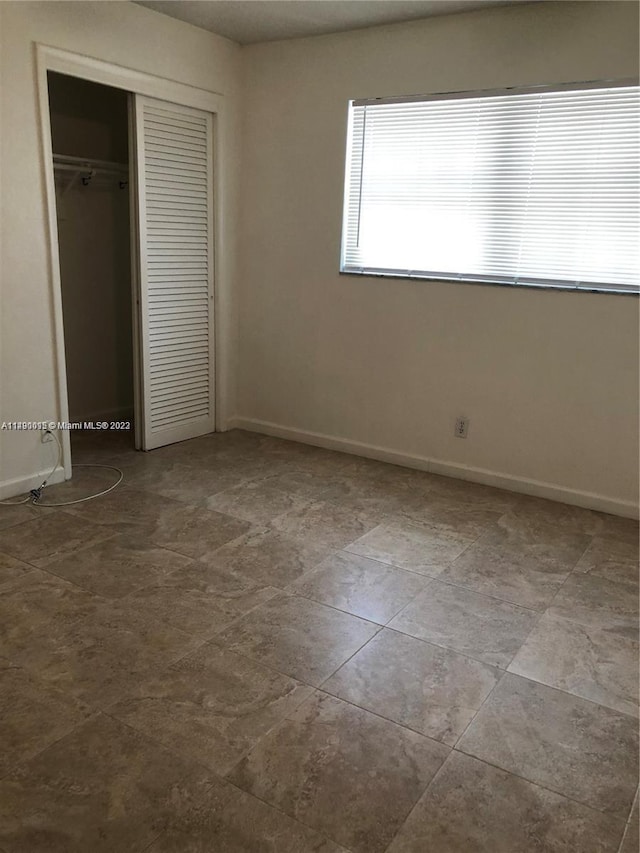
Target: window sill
pixel 564 287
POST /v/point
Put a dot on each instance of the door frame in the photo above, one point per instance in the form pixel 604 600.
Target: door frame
pixel 120 77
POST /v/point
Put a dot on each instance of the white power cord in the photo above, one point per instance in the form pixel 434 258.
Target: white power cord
pixel 34 494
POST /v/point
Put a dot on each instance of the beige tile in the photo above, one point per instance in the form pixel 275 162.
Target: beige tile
pixel 195 532
pixel 215 450
pixel 118 566
pixel 624 529
pixel 258 502
pixel 267 557
pixel 380 491
pixel 366 588
pixel 472 807
pixel 593 601
pixel 36 602
pixel 190 483
pixel 610 559
pixel 564 743
pixel 577 519
pixel 586 660
pixel 452 490
pixel 418 548
pixel 540 539
pixel 515 577
pixel 429 689
pixel 212 706
pixel 128 509
pixel 484 628
pixel 406 485
pixel 101 656
pixel 50 536
pixel 231 821
pixel 200 599
pixel 32 715
pixel 10 516
pixel 326 524
pixel 12 569
pixel 204 451
pixel 312 486
pixel 190 703
pixel 317 461
pixel 103 788
pixel 466 519
pixel 298 637
pixel 347 773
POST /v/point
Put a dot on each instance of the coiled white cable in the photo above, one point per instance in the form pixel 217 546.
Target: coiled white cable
pixel 34 494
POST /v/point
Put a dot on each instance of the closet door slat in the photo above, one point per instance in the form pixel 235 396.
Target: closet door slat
pixel 175 207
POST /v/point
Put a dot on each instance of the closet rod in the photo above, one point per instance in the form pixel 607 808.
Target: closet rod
pixel 67 162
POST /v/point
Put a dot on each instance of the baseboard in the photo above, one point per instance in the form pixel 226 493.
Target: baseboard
pixel 587 500
pixel 22 485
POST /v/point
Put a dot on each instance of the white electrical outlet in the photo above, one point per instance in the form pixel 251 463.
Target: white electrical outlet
pixel 462 427
pixel 46 436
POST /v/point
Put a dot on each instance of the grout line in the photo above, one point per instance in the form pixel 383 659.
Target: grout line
pixel 321 686
pixel 516 776
pixel 156 838
pixel 152 740
pixel 99 595
pixel 627 824
pixel 357 651
pixel 482 704
pixel 486 595
pixel 582 553
pixel 210 639
pixel 24 761
pixel 428 578
pixel 573 696
pixel 442 580
pixel 289 716
pixel 13 527
pixel 322 833
pixel 47 571
pixel 418 801
pixel 507 671
pixel 633 717
pixel 582 803
pixel 212 642
pixel 390 627
pixel 323 690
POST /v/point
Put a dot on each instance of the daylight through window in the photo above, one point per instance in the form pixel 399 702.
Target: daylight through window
pixel 524 187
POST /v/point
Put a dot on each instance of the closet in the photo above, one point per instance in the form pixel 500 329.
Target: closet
pixel 89 132
pixel 134 201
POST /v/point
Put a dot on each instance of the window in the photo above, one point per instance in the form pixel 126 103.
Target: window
pixel 523 187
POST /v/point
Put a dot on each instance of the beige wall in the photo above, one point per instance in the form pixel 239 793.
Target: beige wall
pixel 116 32
pixel 549 379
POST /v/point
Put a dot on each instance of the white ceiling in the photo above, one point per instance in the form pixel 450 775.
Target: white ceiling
pixel 251 21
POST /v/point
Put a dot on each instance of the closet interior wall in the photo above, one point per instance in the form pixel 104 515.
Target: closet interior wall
pixel 90 121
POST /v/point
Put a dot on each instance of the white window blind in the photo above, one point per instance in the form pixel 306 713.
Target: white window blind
pixel 525 187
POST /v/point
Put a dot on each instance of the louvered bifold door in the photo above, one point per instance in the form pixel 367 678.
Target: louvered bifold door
pixel 175 221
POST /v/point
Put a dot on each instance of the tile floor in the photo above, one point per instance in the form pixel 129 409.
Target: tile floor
pixel 255 646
